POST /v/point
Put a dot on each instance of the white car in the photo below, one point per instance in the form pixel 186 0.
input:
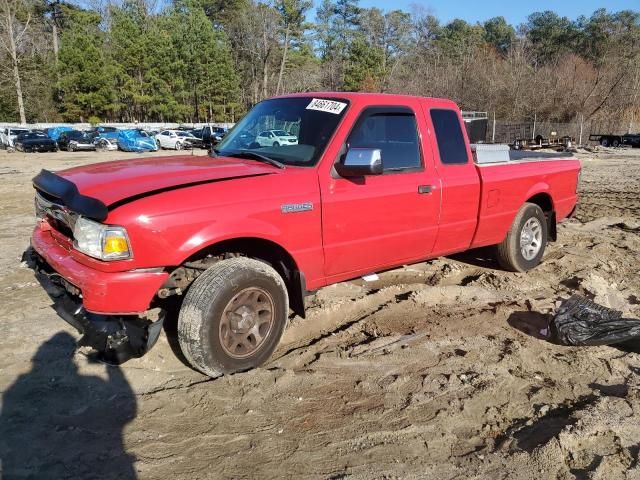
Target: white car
pixel 9 134
pixel 175 139
pixel 274 138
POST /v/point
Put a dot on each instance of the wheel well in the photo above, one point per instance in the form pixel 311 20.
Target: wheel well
pixel 269 252
pixel 544 201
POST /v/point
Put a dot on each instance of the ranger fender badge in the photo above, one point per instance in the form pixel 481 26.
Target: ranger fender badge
pixel 296 207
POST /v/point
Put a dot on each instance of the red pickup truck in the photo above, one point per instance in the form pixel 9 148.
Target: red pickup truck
pixel 233 240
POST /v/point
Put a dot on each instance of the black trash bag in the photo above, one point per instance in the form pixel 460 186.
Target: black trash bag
pixel 579 321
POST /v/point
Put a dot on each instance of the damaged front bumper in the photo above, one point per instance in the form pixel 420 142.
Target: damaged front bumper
pixel 117 338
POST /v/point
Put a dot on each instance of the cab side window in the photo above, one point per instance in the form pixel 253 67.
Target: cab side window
pixel 394 131
pixel 451 144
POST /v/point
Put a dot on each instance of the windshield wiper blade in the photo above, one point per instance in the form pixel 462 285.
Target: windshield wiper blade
pixel 255 156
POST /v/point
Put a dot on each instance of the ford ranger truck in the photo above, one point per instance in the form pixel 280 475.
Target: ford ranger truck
pixel 233 241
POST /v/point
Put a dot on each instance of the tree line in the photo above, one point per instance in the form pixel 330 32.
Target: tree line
pixel 211 60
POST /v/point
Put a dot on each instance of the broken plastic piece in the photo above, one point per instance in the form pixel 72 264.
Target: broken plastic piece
pixel 579 321
pixel 371 277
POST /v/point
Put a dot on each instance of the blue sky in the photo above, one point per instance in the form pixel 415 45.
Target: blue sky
pixel 515 11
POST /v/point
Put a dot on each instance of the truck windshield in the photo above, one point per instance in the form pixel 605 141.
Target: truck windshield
pixel 307 122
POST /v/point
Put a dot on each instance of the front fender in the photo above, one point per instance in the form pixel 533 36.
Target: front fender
pixel 220 232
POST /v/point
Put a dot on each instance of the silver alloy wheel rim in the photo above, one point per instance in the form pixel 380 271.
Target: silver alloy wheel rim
pixel 531 238
pixel 246 322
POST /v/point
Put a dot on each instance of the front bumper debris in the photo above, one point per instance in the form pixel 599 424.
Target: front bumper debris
pixel 117 338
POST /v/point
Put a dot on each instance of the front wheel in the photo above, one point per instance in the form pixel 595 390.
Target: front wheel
pixel 178 146
pixel 276 144
pixel 526 240
pixel 233 316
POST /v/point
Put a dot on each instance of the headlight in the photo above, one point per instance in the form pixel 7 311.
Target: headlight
pixel 105 242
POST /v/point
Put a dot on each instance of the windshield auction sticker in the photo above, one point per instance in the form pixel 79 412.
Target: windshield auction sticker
pixel 329 106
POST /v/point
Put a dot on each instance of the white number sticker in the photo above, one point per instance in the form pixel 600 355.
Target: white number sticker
pixel 329 106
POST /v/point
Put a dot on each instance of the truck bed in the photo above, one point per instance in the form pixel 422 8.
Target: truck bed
pixel 512 177
pixel 488 154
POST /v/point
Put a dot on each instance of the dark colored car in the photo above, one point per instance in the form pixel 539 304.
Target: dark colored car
pixel 76 140
pixel 35 142
pixel 209 135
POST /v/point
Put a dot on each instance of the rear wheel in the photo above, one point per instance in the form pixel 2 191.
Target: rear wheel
pixel 526 240
pixel 604 142
pixel 276 144
pixel 233 316
pixel 615 143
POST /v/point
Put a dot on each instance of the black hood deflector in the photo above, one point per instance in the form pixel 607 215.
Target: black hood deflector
pixel 61 190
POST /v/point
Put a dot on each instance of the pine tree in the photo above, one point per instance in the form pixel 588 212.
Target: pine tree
pixel 84 85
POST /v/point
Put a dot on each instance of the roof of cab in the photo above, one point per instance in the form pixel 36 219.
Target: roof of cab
pixel 377 98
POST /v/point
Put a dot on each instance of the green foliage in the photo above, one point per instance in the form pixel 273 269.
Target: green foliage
pixel 499 33
pixel 84 88
pixel 458 38
pixel 551 35
pixel 363 71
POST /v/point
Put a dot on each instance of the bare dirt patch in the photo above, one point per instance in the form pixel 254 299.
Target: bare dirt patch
pixel 434 371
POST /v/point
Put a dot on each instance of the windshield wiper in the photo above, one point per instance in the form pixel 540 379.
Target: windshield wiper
pixel 254 156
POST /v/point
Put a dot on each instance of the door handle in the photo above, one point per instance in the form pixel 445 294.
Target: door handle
pixel 425 188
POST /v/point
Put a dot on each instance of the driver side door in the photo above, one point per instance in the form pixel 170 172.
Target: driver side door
pixel 379 221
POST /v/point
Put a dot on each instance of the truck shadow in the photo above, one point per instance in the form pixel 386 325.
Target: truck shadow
pixel 56 423
pixel 484 257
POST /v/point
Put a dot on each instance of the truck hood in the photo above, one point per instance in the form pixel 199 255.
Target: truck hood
pixel 114 182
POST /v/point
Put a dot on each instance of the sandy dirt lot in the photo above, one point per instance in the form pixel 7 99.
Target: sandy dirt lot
pixel 435 371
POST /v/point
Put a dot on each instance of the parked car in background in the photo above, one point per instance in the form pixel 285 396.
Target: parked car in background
pixel 191 141
pixel 9 134
pixel 76 140
pixel 110 132
pixel 106 143
pixel 209 135
pixel 35 142
pixel 54 132
pixel 177 139
pixel 136 140
pixel 275 138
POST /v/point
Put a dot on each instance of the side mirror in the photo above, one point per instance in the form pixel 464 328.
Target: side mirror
pixel 359 162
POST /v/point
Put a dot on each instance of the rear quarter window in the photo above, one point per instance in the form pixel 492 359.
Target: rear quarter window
pixel 451 144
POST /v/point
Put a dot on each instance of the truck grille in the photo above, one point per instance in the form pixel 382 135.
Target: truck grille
pixel 59 217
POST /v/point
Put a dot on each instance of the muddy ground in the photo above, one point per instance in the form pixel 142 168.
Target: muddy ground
pixel 435 371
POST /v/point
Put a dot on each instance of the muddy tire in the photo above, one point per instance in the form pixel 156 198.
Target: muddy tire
pixel 604 142
pixel 526 240
pixel 233 316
